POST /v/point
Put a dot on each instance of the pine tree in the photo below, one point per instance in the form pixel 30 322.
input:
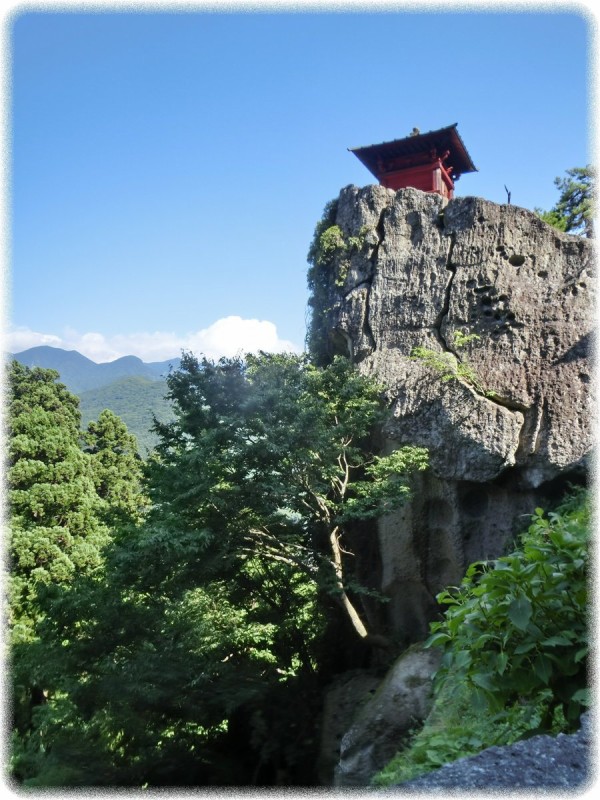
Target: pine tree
pixel 575 208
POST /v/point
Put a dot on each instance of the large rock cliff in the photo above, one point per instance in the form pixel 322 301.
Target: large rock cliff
pixel 507 422
pixel 404 270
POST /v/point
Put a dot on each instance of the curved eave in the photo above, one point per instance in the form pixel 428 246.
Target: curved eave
pixel 442 139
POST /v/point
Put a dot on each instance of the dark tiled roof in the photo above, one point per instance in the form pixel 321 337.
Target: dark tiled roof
pixel 440 140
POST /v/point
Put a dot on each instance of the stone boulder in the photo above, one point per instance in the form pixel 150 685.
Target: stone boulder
pixel 401 701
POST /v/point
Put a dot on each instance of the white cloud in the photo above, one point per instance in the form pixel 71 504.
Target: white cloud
pixel 23 338
pixel 230 335
pixel 225 337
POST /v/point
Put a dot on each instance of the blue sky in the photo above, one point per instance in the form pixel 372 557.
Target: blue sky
pixel 167 169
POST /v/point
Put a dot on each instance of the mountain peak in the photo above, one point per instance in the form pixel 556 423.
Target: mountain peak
pixel 81 374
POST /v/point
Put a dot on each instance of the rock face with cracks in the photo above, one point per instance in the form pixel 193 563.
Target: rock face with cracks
pixel 403 270
pixel 409 270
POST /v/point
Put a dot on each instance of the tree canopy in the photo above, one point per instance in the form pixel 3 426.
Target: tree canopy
pixel 193 652
pixel 278 455
pixel 116 467
pixel 60 500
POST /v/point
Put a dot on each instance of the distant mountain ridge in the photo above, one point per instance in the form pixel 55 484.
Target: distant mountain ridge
pixel 81 374
pixel 129 387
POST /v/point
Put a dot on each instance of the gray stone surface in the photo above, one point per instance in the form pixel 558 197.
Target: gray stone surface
pixel 428 271
pixel 425 270
pixel 402 700
pixel 542 762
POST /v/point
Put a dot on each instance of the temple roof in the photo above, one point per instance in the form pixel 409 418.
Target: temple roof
pixel 375 156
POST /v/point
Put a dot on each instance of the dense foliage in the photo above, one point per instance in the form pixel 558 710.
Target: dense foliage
pixel 116 468
pixel 520 629
pixel 515 644
pixel 57 520
pixel 277 454
pixel 195 650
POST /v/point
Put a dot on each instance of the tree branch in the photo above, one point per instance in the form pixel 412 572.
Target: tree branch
pixel 344 599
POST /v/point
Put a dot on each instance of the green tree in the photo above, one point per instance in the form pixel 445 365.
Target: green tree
pixel 55 531
pixel 116 468
pixel 575 209
pixel 145 680
pixel 273 458
pixel 53 505
pixel 554 218
pixel 195 655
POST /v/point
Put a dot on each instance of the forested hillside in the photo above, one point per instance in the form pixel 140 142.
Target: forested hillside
pixel 80 374
pixel 136 400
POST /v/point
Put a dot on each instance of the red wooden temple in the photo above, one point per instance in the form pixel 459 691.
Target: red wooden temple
pixel 430 161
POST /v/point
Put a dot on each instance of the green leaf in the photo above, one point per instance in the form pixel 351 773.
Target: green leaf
pixel 519 612
pixel 484 681
pixel 502 662
pixel 435 758
pixel 582 696
pixel 462 659
pixel 559 640
pixel 542 667
pixel 525 647
pixel 437 639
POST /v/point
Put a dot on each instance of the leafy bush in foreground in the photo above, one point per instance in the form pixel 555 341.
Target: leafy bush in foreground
pixel 515 647
pixel 518 628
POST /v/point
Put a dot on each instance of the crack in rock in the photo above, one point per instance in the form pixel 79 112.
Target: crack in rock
pixel 437 325
pixel 437 328
pixel 380 232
